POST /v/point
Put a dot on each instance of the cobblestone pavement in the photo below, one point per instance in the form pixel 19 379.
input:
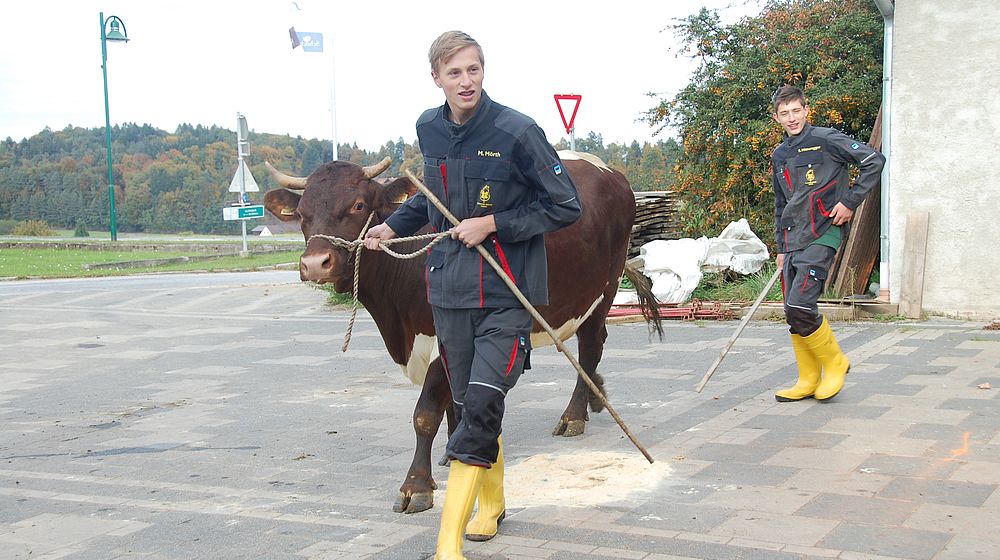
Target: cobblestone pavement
pixel 214 416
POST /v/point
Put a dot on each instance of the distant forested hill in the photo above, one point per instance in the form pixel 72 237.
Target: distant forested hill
pixel 178 182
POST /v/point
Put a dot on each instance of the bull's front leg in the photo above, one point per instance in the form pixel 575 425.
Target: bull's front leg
pixel 417 492
pixel 591 336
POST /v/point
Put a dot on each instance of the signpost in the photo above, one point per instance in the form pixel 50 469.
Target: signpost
pixel 570 129
pixel 243 182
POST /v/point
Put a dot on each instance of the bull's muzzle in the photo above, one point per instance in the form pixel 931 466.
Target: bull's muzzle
pixel 316 267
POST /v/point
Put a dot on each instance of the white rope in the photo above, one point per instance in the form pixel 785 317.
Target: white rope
pixel 358 244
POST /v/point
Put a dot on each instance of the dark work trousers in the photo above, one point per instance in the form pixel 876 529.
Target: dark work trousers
pixel 484 353
pixel 804 275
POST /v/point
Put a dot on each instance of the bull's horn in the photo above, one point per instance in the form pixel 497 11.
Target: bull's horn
pixel 287 181
pixel 373 171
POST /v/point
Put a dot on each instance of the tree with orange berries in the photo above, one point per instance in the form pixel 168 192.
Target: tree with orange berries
pixel 832 50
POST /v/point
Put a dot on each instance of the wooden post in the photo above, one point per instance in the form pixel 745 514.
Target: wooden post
pixel 914 253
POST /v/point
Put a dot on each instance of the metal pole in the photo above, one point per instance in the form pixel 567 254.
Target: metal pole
pixel 572 138
pixel 888 15
pixel 535 314
pixel 333 97
pixel 739 329
pixel 107 132
pixel 243 178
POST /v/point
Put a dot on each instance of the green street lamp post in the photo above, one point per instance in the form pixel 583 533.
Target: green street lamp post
pixel 116 33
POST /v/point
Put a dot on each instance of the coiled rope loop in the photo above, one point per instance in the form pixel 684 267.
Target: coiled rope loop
pixel 358 244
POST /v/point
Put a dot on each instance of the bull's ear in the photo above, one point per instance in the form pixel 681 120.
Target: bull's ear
pixel 398 191
pixel 282 204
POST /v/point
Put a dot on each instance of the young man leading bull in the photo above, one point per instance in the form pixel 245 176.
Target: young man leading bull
pixel 813 201
pixel 497 173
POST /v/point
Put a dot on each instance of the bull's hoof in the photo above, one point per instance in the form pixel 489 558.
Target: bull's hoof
pixel 569 428
pixel 414 503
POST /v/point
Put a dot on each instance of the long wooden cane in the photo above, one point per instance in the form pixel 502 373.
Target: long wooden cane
pixel 739 329
pixel 534 313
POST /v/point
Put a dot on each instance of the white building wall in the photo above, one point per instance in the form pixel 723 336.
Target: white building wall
pixel 945 151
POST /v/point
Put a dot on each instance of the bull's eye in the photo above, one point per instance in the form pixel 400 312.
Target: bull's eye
pixel 359 207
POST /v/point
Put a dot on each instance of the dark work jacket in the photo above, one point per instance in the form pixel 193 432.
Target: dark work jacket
pixel 497 163
pixel 810 176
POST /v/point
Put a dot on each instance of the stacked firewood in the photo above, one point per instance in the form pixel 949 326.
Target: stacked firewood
pixel 654 219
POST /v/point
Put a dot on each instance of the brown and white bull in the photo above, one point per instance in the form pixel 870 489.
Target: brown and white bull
pixel 585 264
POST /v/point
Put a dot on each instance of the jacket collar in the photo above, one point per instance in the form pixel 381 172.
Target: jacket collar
pixel 459 130
pixel 799 138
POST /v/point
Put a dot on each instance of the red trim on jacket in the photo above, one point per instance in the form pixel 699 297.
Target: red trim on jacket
pixel 788 179
pixel 503 259
pixel 444 178
pixel 513 357
pixel 822 209
pixel 812 201
pixel 480 280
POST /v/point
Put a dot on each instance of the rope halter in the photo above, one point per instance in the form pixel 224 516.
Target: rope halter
pixel 358 244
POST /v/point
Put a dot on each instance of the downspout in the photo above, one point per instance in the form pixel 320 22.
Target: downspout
pixel 887 8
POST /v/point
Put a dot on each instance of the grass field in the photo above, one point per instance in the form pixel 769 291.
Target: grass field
pixel 58 262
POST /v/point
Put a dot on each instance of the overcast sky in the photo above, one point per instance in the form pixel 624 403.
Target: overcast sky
pixel 202 62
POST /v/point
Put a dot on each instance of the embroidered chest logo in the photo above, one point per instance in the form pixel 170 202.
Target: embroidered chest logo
pixel 487 153
pixel 484 197
pixel 811 177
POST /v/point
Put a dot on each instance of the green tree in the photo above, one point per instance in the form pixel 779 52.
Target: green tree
pixel 830 49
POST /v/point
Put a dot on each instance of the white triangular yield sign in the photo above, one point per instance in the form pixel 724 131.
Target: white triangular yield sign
pixel 245 178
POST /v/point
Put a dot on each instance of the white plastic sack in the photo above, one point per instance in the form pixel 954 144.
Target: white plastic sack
pixel 736 248
pixel 675 266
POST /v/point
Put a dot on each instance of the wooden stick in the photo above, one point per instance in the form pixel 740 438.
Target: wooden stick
pixel 739 329
pixel 534 313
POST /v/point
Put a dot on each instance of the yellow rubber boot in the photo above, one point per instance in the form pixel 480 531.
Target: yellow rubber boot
pixel 809 373
pixel 835 364
pixel 463 486
pixel 492 506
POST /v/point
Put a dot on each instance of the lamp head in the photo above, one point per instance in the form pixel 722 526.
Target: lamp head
pixel 117 27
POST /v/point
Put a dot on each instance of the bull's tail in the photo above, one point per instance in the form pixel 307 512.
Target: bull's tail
pixel 648 303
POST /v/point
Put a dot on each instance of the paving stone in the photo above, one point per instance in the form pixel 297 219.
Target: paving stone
pixel 758 498
pixel 972 522
pixel 907 466
pixel 797 530
pixel 738 453
pixel 961 548
pixel 743 473
pixel 828 459
pixel 677 517
pixel 850 483
pixel 886 540
pixel 951 492
pixel 858 509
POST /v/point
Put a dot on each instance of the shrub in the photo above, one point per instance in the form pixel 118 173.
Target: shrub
pixel 81 230
pixel 33 228
pixel 7 227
